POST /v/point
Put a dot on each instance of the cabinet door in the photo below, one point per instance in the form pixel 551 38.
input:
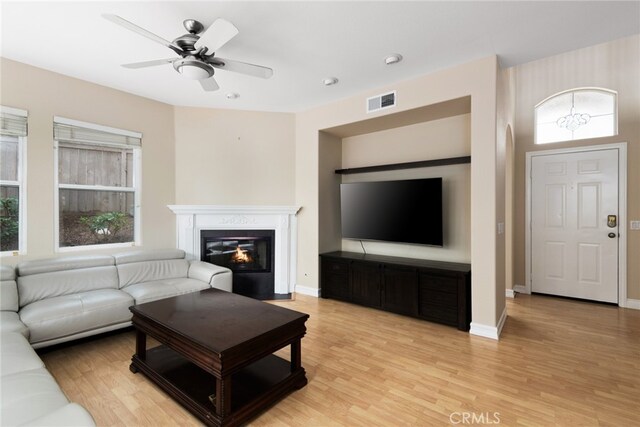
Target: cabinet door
pixel 335 279
pixel 439 298
pixel 400 290
pixel 366 279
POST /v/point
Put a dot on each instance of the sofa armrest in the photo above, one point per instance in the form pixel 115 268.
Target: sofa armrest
pixel 216 276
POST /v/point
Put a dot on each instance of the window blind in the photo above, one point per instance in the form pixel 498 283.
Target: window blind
pixel 71 131
pixel 13 122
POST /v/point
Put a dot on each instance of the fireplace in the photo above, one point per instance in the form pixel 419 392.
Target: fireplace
pixel 248 253
pixel 193 220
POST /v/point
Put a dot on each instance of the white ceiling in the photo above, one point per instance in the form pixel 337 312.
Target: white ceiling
pixel 303 42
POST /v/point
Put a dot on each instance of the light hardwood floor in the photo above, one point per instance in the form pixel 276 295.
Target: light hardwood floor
pixel 559 362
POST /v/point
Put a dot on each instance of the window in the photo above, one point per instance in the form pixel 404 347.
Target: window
pixel 576 114
pixel 98 184
pixel 13 140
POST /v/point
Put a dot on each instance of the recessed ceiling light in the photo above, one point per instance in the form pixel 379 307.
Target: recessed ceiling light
pixel 330 81
pixel 393 59
pixel 233 95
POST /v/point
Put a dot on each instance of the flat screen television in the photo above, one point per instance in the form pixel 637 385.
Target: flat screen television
pixel 406 211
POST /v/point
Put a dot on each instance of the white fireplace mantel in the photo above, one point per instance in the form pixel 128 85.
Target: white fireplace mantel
pixel 191 220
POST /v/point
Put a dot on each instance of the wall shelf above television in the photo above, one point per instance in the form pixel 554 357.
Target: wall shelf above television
pixel 408 165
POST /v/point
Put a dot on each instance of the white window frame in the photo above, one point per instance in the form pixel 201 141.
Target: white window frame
pixel 22 185
pixel 564 92
pixel 136 188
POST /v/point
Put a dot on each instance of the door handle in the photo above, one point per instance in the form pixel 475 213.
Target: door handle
pixel 612 235
pixel 612 221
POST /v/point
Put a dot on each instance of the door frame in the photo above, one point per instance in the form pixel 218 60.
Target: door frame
pixel 622 212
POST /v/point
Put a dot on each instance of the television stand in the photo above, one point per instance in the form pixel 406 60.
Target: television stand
pixel 431 290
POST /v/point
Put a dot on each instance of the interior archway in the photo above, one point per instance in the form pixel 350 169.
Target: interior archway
pixel 509 209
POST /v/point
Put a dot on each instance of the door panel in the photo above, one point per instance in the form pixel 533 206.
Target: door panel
pixel 589 263
pixel 571 251
pixel 335 279
pixel 554 261
pixel 365 284
pixel 400 290
pixel 556 198
pixel 588 205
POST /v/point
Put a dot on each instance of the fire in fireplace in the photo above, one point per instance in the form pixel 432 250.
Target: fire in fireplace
pixel 241 257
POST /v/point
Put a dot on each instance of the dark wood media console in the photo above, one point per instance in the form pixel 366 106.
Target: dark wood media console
pixel 432 290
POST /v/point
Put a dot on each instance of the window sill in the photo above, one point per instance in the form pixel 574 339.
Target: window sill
pixel 8 254
pixel 67 249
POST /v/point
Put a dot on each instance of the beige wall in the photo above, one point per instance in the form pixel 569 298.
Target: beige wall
pixel 330 159
pixel 505 119
pixel 45 94
pixel 231 157
pixel 476 79
pixel 448 137
pixel 433 139
pixel 614 65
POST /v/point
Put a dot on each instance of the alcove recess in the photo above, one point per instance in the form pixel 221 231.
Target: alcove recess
pixel 440 146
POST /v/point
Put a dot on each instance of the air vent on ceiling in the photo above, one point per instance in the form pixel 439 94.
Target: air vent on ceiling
pixel 380 102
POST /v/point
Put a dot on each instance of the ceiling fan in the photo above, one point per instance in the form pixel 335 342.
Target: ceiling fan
pixel 197 60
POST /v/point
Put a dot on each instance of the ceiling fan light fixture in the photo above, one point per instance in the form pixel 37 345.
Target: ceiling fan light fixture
pixel 194 62
pixel 193 69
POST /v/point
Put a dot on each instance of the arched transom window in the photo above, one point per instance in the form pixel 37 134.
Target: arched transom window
pixel 576 114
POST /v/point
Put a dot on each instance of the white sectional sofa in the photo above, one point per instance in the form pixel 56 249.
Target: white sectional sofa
pixel 30 395
pixel 46 302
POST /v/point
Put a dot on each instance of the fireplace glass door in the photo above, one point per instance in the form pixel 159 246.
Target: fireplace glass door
pixel 240 254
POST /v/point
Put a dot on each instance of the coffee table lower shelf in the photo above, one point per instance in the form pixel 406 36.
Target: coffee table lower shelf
pixel 252 389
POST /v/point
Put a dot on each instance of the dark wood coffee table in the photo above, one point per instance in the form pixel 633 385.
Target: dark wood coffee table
pixel 216 354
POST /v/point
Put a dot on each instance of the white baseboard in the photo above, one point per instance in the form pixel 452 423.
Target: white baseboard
pixel 629 303
pixel 632 303
pixel 486 331
pixel 483 331
pixel 510 293
pixel 501 322
pixel 521 289
pixel 305 290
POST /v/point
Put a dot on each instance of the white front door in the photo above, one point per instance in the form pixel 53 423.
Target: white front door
pixel 574 243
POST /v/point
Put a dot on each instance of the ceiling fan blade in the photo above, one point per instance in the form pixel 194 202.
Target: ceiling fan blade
pixel 243 68
pixel 217 35
pixel 149 63
pixel 209 84
pixel 139 30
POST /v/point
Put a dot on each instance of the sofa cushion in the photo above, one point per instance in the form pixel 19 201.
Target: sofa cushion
pixel 71 415
pixel 8 289
pixel 158 289
pixel 57 317
pixel 147 271
pixel 50 265
pixel 35 287
pixel 29 395
pixel 17 354
pixel 10 322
